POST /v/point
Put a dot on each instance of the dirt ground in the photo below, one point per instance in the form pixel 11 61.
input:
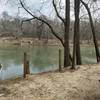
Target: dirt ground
pixel 82 84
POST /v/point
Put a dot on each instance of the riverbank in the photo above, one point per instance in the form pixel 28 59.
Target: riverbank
pixel 82 84
pixel 35 41
pixel 28 41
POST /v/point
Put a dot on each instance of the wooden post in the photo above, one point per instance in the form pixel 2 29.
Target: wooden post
pixel 28 69
pixel 25 65
pixel 60 60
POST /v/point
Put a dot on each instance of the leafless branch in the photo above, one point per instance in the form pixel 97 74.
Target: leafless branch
pixel 25 21
pixel 40 19
pixel 54 5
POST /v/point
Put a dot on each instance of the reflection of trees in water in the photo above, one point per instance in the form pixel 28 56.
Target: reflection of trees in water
pixel 11 55
pixel 88 55
pixel 1 67
pixel 40 56
pixel 43 56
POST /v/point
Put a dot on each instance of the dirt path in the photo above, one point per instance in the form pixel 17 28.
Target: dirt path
pixel 82 84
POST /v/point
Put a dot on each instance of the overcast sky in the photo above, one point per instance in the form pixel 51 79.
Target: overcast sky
pixel 12 7
pixel 34 5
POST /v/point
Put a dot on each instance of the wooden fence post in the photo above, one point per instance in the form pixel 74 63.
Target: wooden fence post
pixel 25 65
pixel 60 60
pixel 28 69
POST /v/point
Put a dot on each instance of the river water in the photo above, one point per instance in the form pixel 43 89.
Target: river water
pixel 42 59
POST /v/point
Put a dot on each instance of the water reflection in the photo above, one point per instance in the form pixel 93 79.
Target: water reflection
pixel 10 72
pixel 42 58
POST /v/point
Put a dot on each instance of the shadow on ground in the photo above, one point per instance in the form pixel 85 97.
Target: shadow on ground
pixel 93 97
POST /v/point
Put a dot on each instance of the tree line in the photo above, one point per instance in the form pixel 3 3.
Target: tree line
pixel 11 26
pixel 61 28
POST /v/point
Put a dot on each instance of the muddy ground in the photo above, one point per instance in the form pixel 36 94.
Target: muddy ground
pixel 82 84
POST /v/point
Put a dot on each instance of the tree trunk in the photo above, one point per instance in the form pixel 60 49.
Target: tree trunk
pixel 77 32
pixel 66 21
pixel 74 49
pixel 66 35
pixel 76 39
pixel 94 37
pixel 93 32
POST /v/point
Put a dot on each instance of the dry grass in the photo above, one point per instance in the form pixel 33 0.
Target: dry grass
pixel 82 84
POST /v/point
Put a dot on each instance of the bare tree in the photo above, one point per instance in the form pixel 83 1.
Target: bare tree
pixel 76 43
pixel 66 35
pixel 93 31
pixel 66 22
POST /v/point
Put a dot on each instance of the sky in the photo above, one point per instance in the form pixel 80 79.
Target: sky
pixel 11 6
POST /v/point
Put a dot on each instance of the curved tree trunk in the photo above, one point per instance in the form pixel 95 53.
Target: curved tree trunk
pixel 93 32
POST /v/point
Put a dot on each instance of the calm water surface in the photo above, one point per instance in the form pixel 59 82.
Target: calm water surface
pixel 42 59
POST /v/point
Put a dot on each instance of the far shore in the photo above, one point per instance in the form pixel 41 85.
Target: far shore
pixel 35 41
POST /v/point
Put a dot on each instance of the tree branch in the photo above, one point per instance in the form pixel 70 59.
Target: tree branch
pixel 38 18
pixel 54 5
pixel 25 21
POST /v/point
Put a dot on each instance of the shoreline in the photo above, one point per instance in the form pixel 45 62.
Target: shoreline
pixel 51 71
pixel 35 42
pixel 81 84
